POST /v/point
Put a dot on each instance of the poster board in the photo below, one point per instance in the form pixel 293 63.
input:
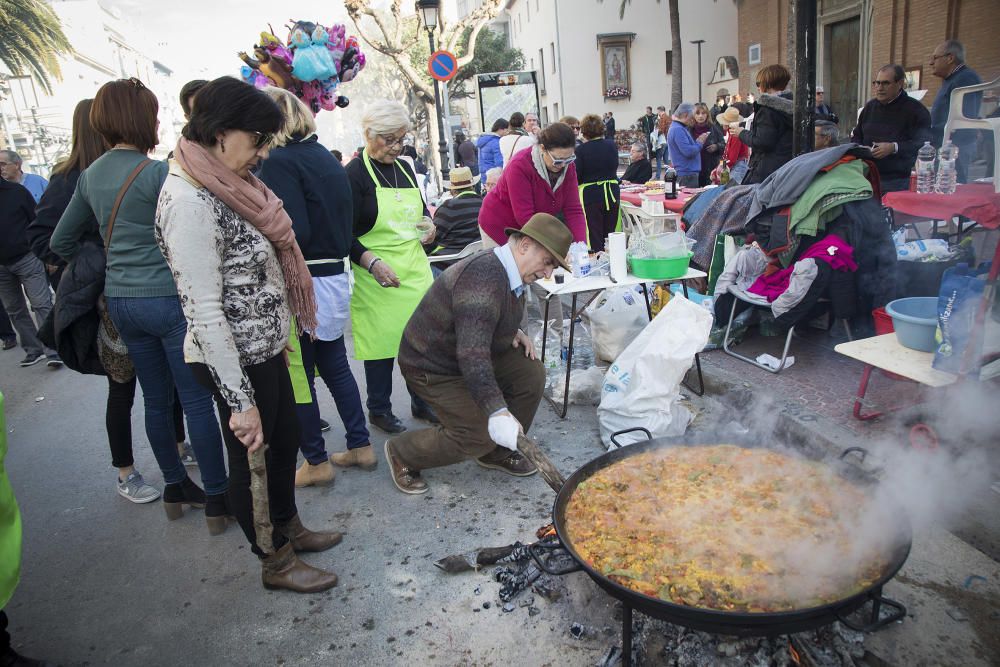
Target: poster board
pixel 503 93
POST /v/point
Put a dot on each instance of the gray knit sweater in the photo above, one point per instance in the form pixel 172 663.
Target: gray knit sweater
pixel 468 316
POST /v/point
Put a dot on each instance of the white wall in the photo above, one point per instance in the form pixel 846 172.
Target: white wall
pixel 576 85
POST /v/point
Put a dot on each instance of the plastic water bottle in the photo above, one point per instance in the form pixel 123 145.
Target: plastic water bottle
pixel 946 175
pixel 925 168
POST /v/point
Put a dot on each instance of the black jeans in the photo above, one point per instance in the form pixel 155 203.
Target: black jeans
pixel 118 421
pixel 378 377
pixel 6 328
pixel 276 403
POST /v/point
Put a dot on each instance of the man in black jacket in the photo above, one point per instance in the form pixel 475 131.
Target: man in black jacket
pixel 457 219
pixel 895 126
pixel 647 123
pixel 22 273
pixel 609 126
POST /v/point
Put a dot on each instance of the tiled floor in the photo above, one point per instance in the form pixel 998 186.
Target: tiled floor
pixel 821 379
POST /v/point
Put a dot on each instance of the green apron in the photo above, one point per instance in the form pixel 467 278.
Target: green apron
pixel 609 197
pixel 297 370
pixel 10 523
pixel 379 314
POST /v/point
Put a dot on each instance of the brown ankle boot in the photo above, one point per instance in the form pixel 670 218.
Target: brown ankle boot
pixel 303 539
pixel 362 457
pixel 284 570
pixel 320 474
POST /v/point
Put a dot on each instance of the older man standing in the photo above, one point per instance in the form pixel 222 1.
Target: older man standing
pixel 685 151
pixel 22 273
pixel 948 63
pixel 11 169
pixel 895 126
pixel 463 353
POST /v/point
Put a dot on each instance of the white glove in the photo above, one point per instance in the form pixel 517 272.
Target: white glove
pixel 504 429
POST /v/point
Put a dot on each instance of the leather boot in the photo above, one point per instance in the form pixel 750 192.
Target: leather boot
pixel 314 475
pixel 303 539
pixel 362 457
pixel 284 570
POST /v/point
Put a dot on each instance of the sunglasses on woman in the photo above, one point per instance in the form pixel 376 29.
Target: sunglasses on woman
pixel 559 162
pixel 260 139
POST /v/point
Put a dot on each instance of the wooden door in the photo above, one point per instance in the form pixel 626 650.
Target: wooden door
pixel 842 63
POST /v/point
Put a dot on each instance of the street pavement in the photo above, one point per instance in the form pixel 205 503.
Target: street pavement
pixel 105 581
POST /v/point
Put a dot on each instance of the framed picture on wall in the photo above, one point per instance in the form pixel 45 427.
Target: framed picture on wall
pixel 615 70
pixel 912 78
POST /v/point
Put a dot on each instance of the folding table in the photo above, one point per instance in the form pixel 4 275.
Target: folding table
pixel 886 353
pixel 595 285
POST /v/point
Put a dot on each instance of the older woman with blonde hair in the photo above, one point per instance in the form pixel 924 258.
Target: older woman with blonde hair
pixel 317 197
pixel 392 272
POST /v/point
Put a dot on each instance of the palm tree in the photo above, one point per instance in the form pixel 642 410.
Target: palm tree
pixel 32 40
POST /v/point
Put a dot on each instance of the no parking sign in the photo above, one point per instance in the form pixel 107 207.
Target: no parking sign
pixel 442 65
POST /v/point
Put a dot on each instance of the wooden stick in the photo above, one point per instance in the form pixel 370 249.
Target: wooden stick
pixel 533 453
pixel 261 502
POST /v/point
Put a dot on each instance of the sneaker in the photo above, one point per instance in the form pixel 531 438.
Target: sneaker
pixel 186 452
pixel 9 343
pixel 324 425
pixel 54 361
pixel 135 489
pixel 32 359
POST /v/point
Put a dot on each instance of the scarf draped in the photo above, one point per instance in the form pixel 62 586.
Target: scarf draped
pixel 257 204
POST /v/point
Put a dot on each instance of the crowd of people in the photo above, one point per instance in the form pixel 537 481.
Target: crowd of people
pixel 219 280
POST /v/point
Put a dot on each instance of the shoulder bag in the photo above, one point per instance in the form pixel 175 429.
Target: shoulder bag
pixel 110 346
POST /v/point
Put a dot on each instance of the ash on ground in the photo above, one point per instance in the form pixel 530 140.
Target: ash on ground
pixel 661 643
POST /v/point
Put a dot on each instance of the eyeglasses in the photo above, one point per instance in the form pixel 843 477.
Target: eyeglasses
pixel 261 139
pixel 391 140
pixel 943 55
pixel 879 84
pixel 560 162
pixel 136 83
pixel 576 128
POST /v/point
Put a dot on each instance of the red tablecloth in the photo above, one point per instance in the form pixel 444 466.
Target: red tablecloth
pixel 675 205
pixel 976 201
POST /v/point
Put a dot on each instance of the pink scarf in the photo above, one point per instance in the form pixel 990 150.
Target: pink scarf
pixel 255 203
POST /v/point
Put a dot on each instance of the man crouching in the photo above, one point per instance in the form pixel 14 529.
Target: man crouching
pixel 463 353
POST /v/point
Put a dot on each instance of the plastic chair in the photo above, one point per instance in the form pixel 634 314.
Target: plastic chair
pixel 958 121
pixel 468 250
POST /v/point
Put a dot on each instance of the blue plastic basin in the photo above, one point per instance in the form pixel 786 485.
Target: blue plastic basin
pixel 915 321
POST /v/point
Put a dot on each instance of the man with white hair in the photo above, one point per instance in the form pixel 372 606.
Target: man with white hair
pixel 823 110
pixel 492 178
pixel 11 170
pixel 640 169
pixel 685 151
pixel 948 63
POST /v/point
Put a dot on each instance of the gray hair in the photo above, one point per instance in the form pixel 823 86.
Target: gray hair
pixel 683 109
pixel 955 48
pixel 494 171
pixel 12 156
pixel 828 130
pixel 384 117
pixel 639 147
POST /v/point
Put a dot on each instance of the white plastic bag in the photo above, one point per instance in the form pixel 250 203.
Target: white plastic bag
pixel 616 318
pixel 642 387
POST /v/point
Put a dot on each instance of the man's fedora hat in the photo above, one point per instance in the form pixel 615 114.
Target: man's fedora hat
pixel 550 233
pixel 461 177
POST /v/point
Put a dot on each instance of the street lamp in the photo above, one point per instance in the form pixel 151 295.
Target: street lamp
pixel 429 13
pixel 699 42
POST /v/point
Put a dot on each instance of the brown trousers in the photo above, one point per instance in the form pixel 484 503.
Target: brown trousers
pixel 462 433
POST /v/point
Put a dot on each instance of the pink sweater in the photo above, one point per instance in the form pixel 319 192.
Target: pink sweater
pixel 521 192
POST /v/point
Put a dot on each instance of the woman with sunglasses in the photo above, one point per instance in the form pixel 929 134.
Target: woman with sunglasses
pixel 540 180
pixel 391 271
pixel 241 275
pixel 141 295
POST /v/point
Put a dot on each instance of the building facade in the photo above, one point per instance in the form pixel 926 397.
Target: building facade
pixel 38 126
pixel 588 60
pixel 856 37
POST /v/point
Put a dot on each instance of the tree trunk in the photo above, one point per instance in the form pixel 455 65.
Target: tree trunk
pixel 677 78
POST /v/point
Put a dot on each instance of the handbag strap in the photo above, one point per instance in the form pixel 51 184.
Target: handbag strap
pixel 121 195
